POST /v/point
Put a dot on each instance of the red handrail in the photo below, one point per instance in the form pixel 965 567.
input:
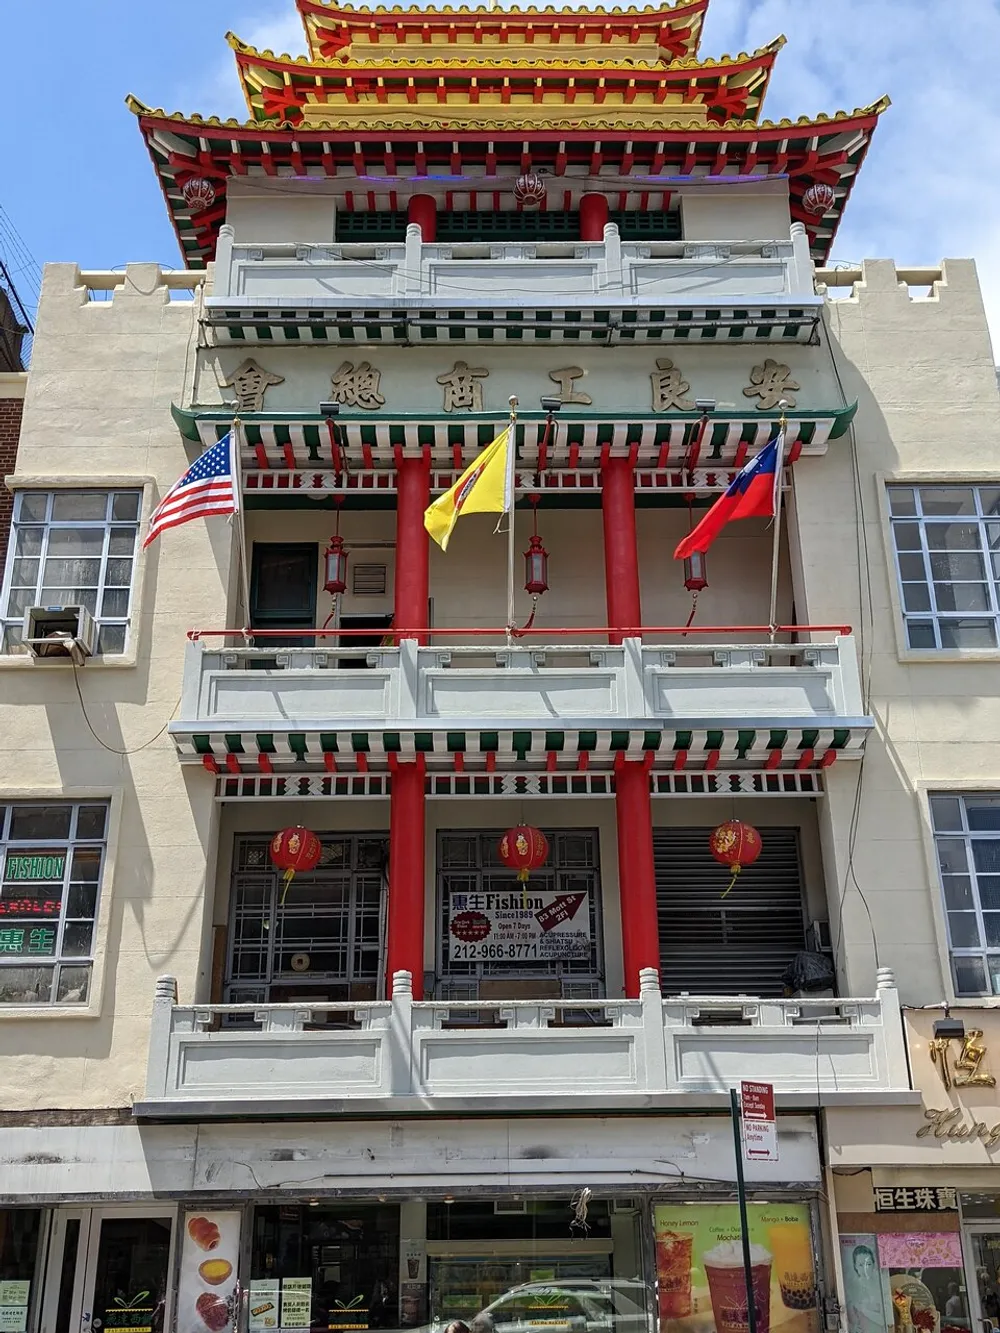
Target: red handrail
pixel 628 632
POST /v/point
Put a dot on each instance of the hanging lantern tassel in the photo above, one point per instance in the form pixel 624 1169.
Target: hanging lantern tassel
pixel 735 844
pixel 294 849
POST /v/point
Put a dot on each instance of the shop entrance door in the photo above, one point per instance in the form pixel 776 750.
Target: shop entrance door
pixel 983 1269
pixel 108 1271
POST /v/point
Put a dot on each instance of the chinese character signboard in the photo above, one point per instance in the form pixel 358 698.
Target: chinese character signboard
pixel 916 1199
pixel 699 1268
pixel 518 926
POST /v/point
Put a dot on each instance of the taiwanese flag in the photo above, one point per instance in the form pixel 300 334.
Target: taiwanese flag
pixel 751 494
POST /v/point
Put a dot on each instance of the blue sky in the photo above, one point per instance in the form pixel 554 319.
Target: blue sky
pixel 77 184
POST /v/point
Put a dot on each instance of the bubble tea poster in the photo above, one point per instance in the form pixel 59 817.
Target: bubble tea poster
pixel 699 1269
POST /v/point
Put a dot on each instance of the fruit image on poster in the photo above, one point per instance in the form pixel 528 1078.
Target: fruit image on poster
pixel 699 1269
pixel 206 1294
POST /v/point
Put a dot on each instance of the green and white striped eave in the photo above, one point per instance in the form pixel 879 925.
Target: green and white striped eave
pixel 612 326
pixel 577 750
pixel 300 442
pixel 325 786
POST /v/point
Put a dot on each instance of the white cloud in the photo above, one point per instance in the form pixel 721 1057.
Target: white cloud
pixel 930 186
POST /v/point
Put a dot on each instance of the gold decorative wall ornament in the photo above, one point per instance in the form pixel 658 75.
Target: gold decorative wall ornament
pixel 770 382
pixel 948 1125
pixel 964 1071
pixel 251 383
pixel 462 390
pixel 357 386
pixel 669 387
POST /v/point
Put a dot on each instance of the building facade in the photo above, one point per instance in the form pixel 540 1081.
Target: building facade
pixel 402 1087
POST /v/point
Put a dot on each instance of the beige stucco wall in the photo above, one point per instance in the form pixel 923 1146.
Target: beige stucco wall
pixel 280 210
pixel 736 212
pixel 97 411
pixel 922 370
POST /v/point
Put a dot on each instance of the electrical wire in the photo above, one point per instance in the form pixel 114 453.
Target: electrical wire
pixel 866 635
pixel 104 745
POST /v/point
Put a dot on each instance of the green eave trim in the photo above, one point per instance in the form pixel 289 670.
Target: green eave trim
pixel 187 422
pixel 842 420
pixel 187 419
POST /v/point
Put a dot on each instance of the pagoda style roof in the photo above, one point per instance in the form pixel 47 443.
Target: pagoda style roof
pixel 393 150
pixel 335 29
pixel 344 93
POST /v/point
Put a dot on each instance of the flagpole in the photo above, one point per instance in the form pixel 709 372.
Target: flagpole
pixel 240 527
pixel 776 543
pixel 509 497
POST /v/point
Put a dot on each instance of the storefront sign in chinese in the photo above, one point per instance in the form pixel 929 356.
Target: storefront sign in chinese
pixel 966 1068
pixel 518 926
pixel 699 1268
pixel 14 1296
pixel 34 866
pixel 296 1302
pixel 916 1199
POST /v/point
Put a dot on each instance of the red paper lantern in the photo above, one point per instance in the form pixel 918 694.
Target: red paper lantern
pixel 199 194
pixel 819 198
pixel 529 190
pixel 294 849
pixel 524 849
pixel 735 844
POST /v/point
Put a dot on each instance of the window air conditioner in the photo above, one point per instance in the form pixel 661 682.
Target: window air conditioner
pixel 60 632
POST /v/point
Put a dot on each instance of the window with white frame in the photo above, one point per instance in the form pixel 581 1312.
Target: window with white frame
pixel 967 839
pixel 52 858
pixel 947 547
pixel 72 548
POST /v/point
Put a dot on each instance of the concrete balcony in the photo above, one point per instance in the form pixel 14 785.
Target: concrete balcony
pixel 432 1056
pixel 656 290
pixel 774 705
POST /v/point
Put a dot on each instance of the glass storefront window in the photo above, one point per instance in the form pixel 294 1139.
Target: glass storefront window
pixel 19 1233
pixel 328 1266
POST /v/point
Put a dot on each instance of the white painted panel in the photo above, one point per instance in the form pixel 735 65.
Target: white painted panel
pixel 283 696
pixel 554 694
pixel 468 279
pixel 730 692
pixel 788 1059
pixel 299 278
pixel 455 1062
pixel 293 1067
pixel 728 280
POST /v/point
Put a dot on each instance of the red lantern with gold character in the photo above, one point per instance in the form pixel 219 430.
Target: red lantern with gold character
pixel 294 849
pixel 735 844
pixel 524 849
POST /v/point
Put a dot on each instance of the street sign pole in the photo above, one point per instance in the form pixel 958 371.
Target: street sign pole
pixel 741 1191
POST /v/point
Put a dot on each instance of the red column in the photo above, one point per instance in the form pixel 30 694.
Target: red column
pixel 636 877
pixel 413 495
pixel 422 210
pixel 405 943
pixel 621 552
pixel 593 217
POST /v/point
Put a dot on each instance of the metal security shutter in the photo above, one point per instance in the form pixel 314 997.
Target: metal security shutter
pixel 737 945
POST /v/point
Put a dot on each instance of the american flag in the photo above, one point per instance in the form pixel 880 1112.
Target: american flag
pixel 209 486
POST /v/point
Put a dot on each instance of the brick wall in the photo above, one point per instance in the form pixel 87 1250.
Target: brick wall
pixel 10 429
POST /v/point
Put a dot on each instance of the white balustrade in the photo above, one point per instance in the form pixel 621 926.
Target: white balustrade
pixel 298 688
pixel 217 1058
pixel 549 273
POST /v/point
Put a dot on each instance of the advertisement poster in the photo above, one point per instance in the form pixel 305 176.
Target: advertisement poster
pixel 296 1302
pixel 862 1284
pixel 518 925
pixel 14 1297
pixel 206 1293
pixel 699 1269
pixel 265 1297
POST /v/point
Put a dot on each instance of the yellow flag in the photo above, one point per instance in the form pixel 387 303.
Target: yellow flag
pixel 481 489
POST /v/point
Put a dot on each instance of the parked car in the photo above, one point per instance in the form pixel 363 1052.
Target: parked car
pixel 577 1305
